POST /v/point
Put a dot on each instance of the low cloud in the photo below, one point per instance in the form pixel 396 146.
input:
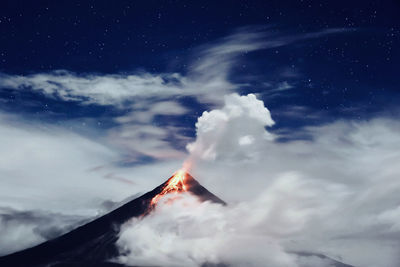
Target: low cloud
pixel 183 231
pixel 334 194
pixel 23 229
pixel 52 178
pixel 49 167
pixel 187 232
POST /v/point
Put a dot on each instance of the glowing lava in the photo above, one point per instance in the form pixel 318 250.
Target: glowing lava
pixel 175 184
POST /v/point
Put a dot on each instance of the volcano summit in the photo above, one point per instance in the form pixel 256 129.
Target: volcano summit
pixel 93 244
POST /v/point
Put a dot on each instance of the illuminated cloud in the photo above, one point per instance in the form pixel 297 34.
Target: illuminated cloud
pixel 334 194
pixel 227 132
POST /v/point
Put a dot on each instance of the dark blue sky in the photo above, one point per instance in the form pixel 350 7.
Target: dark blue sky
pixel 105 37
pixel 352 74
pixel 103 100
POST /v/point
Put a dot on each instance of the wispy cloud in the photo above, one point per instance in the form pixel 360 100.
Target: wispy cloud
pixel 207 79
pixel 147 95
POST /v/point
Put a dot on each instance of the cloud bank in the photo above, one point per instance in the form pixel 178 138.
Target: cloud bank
pixel 22 229
pixel 53 175
pixel 335 195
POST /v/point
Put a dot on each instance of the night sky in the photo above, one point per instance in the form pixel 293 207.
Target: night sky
pixel 353 73
pixel 101 100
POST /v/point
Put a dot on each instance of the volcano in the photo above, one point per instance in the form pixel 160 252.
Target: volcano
pixel 94 243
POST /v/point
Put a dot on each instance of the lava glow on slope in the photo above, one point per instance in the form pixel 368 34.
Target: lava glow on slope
pixel 176 184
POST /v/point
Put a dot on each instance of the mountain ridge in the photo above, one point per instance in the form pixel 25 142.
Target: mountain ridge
pixel 92 244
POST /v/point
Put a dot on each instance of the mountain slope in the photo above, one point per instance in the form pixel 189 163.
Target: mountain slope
pixel 94 243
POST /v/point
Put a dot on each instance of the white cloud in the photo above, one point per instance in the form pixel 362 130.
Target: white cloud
pixel 150 94
pixel 207 79
pixel 22 229
pixel 336 194
pixel 52 172
pixel 41 163
pixel 189 233
pixel 36 157
pixel 186 232
pixel 144 111
pixel 138 134
pixel 280 89
pixel 241 121
pixel 246 140
pixel 98 89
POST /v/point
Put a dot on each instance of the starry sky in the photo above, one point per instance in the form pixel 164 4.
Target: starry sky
pixel 352 74
pixel 99 101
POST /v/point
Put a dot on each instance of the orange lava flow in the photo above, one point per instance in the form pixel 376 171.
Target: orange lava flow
pixel 175 184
